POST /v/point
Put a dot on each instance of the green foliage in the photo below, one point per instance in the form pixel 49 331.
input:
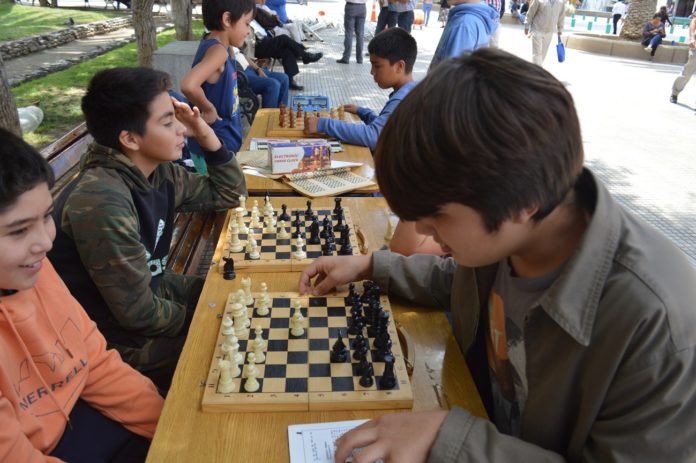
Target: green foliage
pixel 59 94
pixel 22 21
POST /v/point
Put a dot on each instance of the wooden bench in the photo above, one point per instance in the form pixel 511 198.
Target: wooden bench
pixel 195 233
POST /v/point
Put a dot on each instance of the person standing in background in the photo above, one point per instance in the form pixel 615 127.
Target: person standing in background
pixel 618 12
pixel 541 18
pixel 427 8
pixel 353 21
pixel 401 14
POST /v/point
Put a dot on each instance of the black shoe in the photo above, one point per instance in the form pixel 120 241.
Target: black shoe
pixel 311 57
pixel 294 86
pixel 342 61
pixel 673 99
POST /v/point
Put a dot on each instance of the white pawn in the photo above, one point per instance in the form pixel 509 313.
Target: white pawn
pixel 282 231
pixel 251 384
pixel 255 207
pixel 255 219
pixel 240 317
pixel 259 337
pixel 246 286
pixel 233 350
pixel 240 220
pixel 227 327
pixel 250 367
pixel 299 253
pixel 242 204
pixel 251 244
pixel 259 346
pixel 242 301
pixel 225 385
pixel 256 253
pixel 235 244
pixel 269 204
pixel 268 223
pixel 296 328
pixel 263 301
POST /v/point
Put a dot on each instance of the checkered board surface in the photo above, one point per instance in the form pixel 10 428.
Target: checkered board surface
pixel 297 373
pixel 276 254
pixel 275 130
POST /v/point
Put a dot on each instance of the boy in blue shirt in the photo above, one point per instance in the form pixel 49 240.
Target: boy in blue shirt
pixel 392 54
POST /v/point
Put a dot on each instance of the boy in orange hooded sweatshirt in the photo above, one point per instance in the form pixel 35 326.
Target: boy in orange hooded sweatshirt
pixel 63 396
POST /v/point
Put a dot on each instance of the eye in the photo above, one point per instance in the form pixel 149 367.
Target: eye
pixel 19 231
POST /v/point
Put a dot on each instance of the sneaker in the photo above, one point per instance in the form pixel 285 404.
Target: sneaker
pixel 673 98
pixel 311 57
pixel 294 85
pixel 342 61
pixel 648 49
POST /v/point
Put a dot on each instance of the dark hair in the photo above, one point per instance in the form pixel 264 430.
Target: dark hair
pixel 488 130
pixel 657 15
pixel 22 168
pixel 119 99
pixel 395 44
pixel 213 10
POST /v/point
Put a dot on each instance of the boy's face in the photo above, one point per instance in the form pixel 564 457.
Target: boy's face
pixel 238 31
pixel 385 74
pixel 26 235
pixel 163 139
pixel 460 231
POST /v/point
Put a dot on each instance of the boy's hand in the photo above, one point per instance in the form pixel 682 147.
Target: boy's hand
pixel 195 125
pixel 334 271
pixel 350 108
pixel 402 438
pixel 311 124
pixel 260 73
pixel 210 116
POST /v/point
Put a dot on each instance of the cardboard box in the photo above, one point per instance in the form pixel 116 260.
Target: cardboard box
pixel 299 156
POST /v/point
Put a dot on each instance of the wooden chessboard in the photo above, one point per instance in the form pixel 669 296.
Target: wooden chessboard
pixel 277 254
pixel 298 373
pixel 274 129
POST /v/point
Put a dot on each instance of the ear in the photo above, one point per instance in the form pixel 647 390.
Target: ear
pixel 401 66
pixel 525 215
pixel 226 21
pixel 129 141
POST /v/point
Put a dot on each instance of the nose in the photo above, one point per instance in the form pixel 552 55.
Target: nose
pixel 180 128
pixel 45 235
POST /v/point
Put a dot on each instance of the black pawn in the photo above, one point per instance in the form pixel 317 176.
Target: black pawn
pixel 284 215
pixel 314 232
pixel 326 223
pixel 228 269
pixel 367 287
pixel 338 210
pixel 309 212
pixel 366 372
pixel 346 247
pixel 388 379
pixel 297 222
pixel 339 352
pixel 340 226
pixel 297 231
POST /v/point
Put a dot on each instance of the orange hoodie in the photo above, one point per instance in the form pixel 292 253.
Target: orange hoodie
pixel 51 354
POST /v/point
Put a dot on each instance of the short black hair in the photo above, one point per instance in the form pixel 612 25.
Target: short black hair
pixel 213 10
pixel 487 130
pixel 119 99
pixel 657 15
pixel 395 44
pixel 22 168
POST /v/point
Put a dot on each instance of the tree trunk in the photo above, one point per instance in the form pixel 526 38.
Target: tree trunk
pixel 145 32
pixel 44 3
pixel 639 12
pixel 9 119
pixel 182 12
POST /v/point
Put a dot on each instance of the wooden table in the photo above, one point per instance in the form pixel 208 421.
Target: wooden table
pixel 440 378
pixel 260 185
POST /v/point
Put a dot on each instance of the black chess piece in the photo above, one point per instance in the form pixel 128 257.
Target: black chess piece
pixel 367 287
pixel 352 294
pixel 339 351
pixel 297 231
pixel 381 353
pixel 356 319
pixel 338 210
pixel 314 232
pixel 346 247
pixel 284 215
pixel 366 372
pixel 309 212
pixel 388 378
pixel 340 226
pixel 325 224
pixel 228 269
pixel 297 222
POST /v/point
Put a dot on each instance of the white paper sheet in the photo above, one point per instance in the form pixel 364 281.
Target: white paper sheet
pixel 314 443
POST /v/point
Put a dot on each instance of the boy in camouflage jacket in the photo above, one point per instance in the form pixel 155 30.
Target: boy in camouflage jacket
pixel 115 220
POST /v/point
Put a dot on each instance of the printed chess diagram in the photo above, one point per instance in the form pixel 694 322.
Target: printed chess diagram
pixel 286 240
pixel 283 352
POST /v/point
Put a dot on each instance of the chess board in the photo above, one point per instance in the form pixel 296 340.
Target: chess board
pixel 297 373
pixel 277 254
pixel 275 130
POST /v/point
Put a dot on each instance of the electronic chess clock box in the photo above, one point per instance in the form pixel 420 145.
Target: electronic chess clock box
pixel 299 156
pixel 315 103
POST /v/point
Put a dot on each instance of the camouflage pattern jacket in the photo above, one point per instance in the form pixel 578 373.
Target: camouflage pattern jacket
pixel 114 229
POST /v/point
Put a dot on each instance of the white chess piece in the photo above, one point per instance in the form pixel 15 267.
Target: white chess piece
pixel 255 219
pixel 296 328
pixel 251 244
pixel 241 297
pixel 299 253
pixel 246 286
pixel 235 244
pixel 263 301
pixel 242 204
pixel 227 327
pixel 225 385
pixel 255 207
pixel 240 317
pixel 240 220
pixel 259 345
pixel 251 384
pixel 255 254
pixel 282 231
pixel 259 337
pixel 268 223
pixel 250 367
pixel 234 353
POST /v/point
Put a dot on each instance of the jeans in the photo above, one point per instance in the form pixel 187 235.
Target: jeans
pixel 382 19
pixel 354 21
pixel 273 88
pixel 404 19
pixel 652 42
pixel 427 8
pixel 615 19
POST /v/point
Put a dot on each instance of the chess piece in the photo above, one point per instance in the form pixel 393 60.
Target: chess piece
pixel 338 209
pixel 240 319
pixel 268 223
pixel 388 379
pixel 227 327
pixel 225 384
pixel 255 219
pixel 314 232
pixel 263 301
pixel 346 247
pixel 340 226
pixel 233 351
pixel 367 370
pixel 258 332
pixel 250 367
pixel 339 351
pixel 228 269
pixel 282 231
pixel 259 346
pixel 284 215
pixel 242 204
pixel 297 222
pixel 299 253
pixel 309 212
pixel 235 244
pixel 246 286
pixel 296 328
pixel 297 233
pixel 255 254
pixel 239 212
pixel 251 384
